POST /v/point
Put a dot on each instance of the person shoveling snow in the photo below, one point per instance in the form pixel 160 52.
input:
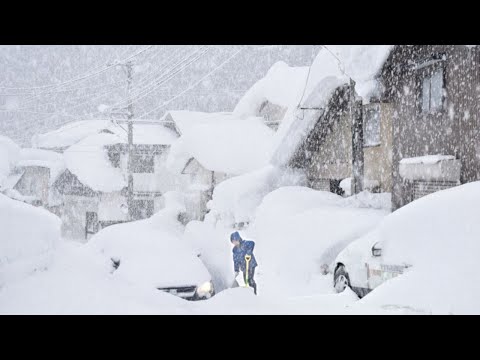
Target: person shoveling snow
pixel 244 260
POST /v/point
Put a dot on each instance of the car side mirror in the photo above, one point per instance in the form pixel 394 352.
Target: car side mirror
pixel 376 250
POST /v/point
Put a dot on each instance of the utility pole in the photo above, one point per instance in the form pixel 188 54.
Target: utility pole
pixel 128 111
pixel 129 66
pixel 356 116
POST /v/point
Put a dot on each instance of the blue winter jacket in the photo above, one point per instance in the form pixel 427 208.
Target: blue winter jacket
pixel 239 252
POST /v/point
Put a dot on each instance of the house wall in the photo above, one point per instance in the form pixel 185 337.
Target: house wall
pixel 73 215
pixel 378 159
pixel 35 182
pixel 333 159
pixel 110 207
pixel 452 131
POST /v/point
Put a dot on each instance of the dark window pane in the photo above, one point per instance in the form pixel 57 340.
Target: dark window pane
pixel 436 90
pixel 426 94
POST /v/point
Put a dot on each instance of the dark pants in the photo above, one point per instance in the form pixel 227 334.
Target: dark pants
pixel 251 280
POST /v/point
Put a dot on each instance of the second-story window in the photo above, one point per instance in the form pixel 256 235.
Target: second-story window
pixel 432 92
pixel 143 163
pixel 371 126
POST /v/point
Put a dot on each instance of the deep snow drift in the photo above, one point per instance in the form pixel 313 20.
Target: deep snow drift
pixel 29 235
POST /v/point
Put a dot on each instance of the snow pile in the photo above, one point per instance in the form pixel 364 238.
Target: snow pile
pixel 80 281
pixel 366 199
pixel 438 236
pixel 9 155
pixel 232 146
pixel 299 232
pixel 282 85
pixel 235 199
pixel 212 242
pixel 69 134
pixel 151 252
pixel 29 234
pixel 88 160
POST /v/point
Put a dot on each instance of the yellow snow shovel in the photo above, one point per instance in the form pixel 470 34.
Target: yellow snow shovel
pixel 247 260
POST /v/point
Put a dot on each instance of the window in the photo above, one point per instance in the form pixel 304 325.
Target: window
pixel 115 159
pixel 142 209
pixel 432 92
pixel 143 163
pixel 371 126
pixel 91 226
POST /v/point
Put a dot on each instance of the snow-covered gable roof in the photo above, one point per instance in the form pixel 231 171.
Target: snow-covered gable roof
pixel 89 162
pixel 43 158
pixel 282 85
pixel 72 133
pixel 69 134
pixel 331 69
pixel 223 144
pixel 185 119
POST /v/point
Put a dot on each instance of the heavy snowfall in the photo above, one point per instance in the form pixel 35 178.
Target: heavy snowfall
pixel 321 179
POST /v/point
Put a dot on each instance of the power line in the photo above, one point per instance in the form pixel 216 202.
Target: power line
pixel 81 77
pixel 192 86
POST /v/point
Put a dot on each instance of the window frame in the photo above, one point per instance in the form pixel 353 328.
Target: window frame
pixel 135 167
pixel 428 72
pixel 375 107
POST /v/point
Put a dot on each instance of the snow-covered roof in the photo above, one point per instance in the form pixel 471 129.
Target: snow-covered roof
pixel 282 85
pixel 336 64
pixel 427 159
pixel 69 134
pixel 72 133
pixel 185 119
pixel 331 69
pixel 149 134
pixel 88 160
pixel 223 143
pixel 42 158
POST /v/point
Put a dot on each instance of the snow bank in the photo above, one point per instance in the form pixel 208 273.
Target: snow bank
pixel 9 155
pixel 282 85
pixel 29 234
pixel 231 146
pixel 79 281
pixel 438 236
pixel 299 232
pixel 151 252
pixel 88 160
pixel 235 199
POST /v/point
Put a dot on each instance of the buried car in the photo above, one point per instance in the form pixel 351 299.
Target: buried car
pixel 151 253
pixel 434 239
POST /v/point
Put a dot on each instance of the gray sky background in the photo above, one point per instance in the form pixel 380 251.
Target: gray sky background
pixel 33 101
